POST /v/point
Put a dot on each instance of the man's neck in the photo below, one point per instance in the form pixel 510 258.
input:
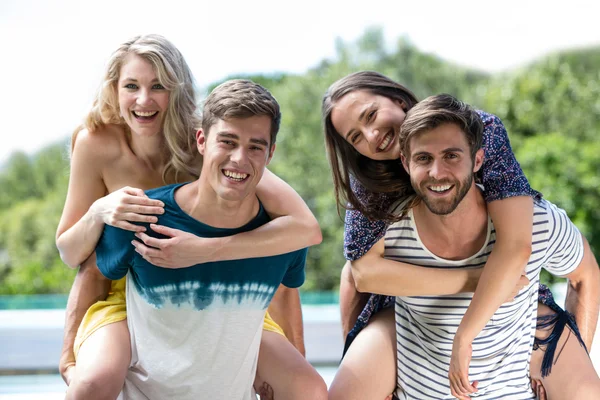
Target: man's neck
pixel 200 201
pixel 458 235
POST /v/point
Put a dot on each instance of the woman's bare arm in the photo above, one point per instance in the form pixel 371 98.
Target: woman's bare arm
pixel 89 206
pixel 513 221
pixel 78 230
pixel 374 274
pixel 293 227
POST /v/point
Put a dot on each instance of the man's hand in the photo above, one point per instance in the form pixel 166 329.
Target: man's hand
pixel 180 250
pixel 459 369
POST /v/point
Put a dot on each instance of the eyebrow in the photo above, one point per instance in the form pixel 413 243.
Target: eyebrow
pixel 135 80
pixel 229 135
pixel 448 150
pixel 453 150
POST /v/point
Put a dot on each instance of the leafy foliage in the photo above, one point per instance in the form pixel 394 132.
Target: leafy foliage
pixel 551 109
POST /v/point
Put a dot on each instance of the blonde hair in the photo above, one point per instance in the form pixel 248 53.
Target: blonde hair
pixel 181 118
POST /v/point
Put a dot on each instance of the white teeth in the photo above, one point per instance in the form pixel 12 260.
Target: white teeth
pixel 235 175
pixel 440 188
pixel 145 113
pixel 385 142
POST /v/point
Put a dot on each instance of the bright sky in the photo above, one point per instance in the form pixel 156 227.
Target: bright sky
pixel 54 52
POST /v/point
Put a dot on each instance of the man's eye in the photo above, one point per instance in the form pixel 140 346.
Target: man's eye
pixel 451 155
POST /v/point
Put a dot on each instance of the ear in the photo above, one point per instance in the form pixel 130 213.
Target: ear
pixel 402 105
pixel 404 163
pixel 479 157
pixel 271 151
pixel 201 141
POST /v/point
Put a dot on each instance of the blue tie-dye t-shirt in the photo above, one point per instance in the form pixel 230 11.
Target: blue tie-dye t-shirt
pixel 194 331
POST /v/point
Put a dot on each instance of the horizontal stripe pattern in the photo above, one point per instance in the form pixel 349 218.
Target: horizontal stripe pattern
pixel 426 325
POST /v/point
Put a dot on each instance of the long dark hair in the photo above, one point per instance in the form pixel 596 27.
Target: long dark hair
pixel 382 179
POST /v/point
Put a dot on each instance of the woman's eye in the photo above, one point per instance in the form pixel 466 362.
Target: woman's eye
pixel 371 115
pixel 130 86
pixel 158 86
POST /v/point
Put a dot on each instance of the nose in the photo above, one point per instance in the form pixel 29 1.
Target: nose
pixel 239 156
pixel 372 136
pixel 143 98
pixel 437 170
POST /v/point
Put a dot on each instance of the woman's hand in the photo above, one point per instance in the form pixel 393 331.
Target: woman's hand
pixel 127 205
pixel 458 373
pixel 179 250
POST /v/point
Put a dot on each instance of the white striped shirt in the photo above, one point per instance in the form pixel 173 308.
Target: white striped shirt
pixel 426 325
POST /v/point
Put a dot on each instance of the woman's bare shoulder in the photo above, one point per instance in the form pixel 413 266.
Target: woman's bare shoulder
pixel 102 144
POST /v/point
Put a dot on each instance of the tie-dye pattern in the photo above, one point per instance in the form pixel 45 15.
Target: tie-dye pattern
pixel 195 332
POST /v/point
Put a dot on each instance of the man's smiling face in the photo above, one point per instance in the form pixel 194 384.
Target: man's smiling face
pixel 441 168
pixel 236 152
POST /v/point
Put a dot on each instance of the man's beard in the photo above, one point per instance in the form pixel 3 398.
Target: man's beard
pixel 446 205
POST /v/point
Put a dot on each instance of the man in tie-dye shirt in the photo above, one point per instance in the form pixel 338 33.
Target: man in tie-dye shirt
pixel 195 332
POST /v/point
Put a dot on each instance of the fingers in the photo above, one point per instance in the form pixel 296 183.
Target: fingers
pixel 134 191
pixel 456 393
pixel 145 201
pixel 538 389
pixel 461 387
pixel 153 256
pixel 128 226
pixel 541 392
pixel 140 208
pixel 129 216
pixel 152 241
pixel 164 230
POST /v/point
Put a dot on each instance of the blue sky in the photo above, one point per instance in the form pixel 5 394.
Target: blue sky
pixel 54 52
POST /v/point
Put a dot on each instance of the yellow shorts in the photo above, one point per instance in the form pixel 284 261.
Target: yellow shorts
pixel 113 309
pixel 102 313
pixel 271 326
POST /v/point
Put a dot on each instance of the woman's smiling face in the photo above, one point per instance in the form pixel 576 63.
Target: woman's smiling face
pixel 370 123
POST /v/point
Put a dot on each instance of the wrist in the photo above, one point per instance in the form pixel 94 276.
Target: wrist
pixel 463 335
pixel 217 246
pixel 93 215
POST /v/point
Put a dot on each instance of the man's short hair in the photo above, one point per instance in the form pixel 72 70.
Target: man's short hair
pixel 240 98
pixel 438 110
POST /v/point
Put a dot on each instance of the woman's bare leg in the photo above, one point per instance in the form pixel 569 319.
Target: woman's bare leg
pixel 352 302
pixel 572 376
pixel 102 364
pixel 368 370
pixel 283 374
